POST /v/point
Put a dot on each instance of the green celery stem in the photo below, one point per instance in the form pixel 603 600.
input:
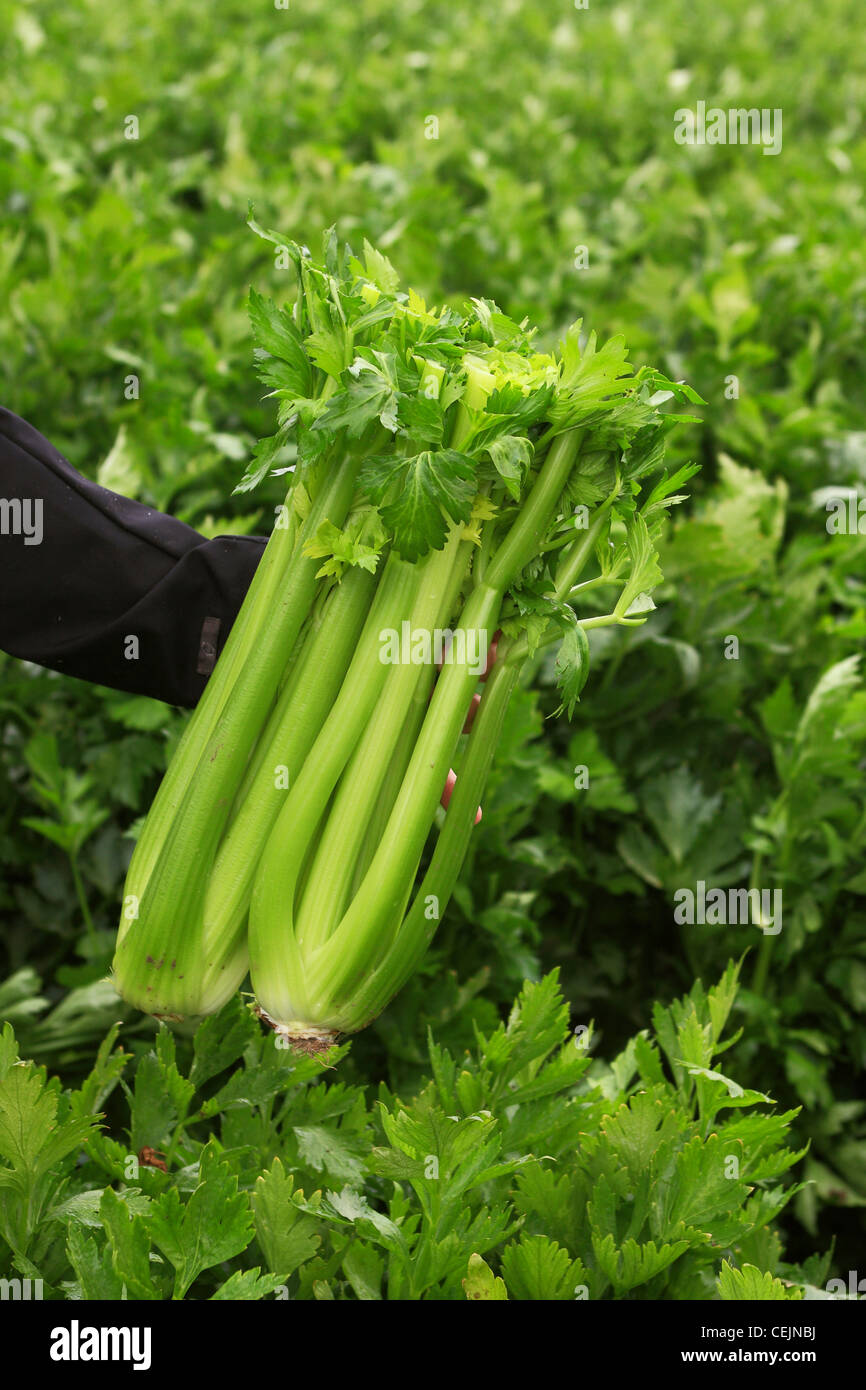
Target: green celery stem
pixel 163 958
pixel 312 692
pixel 200 725
pixel 526 537
pixel 276 963
pixel 365 999
pixel 329 885
pixel 370 919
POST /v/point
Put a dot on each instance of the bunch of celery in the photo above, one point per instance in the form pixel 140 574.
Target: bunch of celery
pixel 446 478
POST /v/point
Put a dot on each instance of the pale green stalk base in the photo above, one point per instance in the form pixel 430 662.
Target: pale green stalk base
pixel 301 1037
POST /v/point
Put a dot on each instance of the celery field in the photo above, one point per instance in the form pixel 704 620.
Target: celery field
pixel 526 962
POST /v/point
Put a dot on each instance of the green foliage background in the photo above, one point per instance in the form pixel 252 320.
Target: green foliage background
pixel 555 131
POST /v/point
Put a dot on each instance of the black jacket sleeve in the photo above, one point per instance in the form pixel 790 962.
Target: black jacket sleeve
pixel 100 587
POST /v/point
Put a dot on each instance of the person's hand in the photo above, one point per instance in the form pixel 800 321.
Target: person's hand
pixel 451 779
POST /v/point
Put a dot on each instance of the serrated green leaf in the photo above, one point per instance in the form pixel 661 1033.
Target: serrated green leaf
pixel 572 667
pixel 481 1284
pixel 633 1264
pixel 214 1225
pixel 220 1040
pixel 276 333
pixel 31 1138
pixel 247 1285
pixel 415 495
pixel 93 1267
pixel 537 1268
pixel 129 1244
pixel 287 1235
pixel 751 1284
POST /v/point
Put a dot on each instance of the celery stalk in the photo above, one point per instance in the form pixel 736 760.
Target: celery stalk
pixel 272 942
pixel 362 1000
pixel 372 912
pixel 284 745
pixel 164 962
pixel 361 784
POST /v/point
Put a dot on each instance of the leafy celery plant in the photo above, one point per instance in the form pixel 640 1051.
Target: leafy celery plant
pixel 529 1167
pixel 448 478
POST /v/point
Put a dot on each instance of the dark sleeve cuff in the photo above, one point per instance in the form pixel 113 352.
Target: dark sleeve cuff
pixel 103 588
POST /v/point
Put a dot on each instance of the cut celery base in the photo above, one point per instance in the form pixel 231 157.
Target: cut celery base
pixel 299 1036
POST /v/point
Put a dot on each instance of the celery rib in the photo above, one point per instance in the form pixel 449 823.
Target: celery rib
pixel 298 719
pixel 276 962
pixel 361 1000
pixel 163 963
pixel 330 879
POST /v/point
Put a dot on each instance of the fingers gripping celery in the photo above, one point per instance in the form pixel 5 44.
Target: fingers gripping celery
pixel 448 476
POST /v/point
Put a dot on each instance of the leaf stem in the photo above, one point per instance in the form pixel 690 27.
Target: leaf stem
pixel 526 536
pixel 81 895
